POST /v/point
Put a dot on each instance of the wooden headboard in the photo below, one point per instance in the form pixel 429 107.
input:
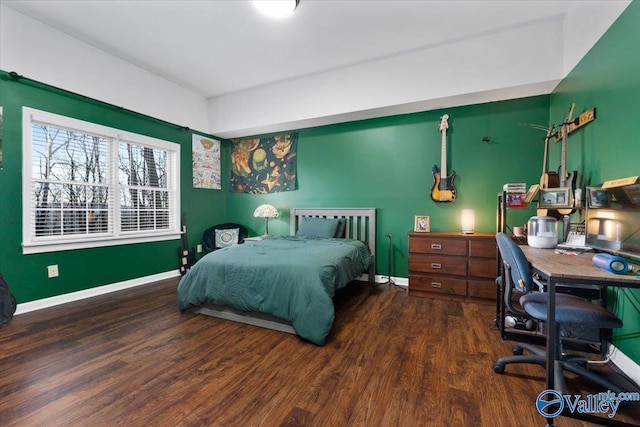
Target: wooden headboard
pixel 360 225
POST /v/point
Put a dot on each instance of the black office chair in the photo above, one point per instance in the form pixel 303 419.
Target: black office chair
pixel 570 309
pixel 209 236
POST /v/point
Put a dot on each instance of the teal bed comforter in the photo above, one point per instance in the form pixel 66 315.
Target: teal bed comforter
pixel 292 278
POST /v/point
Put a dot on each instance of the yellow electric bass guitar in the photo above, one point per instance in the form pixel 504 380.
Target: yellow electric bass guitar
pixel 443 189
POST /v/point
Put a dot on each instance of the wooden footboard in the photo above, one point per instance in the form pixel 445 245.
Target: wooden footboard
pixel 249 317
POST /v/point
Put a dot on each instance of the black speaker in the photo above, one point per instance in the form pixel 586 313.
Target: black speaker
pixel 519 322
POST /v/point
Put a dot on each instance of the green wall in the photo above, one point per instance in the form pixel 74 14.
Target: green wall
pixel 386 163
pixel 608 78
pixel 383 163
pixel 83 269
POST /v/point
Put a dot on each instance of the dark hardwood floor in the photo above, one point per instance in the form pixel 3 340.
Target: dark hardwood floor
pixel 131 358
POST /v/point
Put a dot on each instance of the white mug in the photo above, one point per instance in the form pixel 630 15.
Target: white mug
pixel 518 231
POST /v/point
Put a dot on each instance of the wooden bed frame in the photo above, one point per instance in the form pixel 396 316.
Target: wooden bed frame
pixel 360 225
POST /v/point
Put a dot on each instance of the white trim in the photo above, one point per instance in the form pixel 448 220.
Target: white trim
pixel 43 247
pixel 93 292
pixel 400 281
pixel 622 361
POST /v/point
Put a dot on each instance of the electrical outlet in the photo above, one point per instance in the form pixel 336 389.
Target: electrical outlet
pixel 199 248
pixel 52 271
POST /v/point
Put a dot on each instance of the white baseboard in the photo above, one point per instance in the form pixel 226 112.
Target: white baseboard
pixel 626 365
pixel 92 292
pixel 400 281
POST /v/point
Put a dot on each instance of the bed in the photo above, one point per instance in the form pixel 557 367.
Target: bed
pixel 286 283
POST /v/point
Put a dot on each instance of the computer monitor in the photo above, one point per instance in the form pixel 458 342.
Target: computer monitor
pixel 615 231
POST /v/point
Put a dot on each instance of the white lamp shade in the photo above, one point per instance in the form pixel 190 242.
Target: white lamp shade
pixel 468 221
pixel 265 211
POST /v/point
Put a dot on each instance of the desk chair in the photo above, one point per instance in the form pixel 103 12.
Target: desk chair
pixel 570 309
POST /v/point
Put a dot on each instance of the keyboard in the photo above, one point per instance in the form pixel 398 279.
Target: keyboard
pixel 575 248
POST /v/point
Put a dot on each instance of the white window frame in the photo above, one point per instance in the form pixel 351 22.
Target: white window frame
pixel 40 244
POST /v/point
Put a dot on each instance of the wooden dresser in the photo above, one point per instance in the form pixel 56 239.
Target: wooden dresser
pixel 454 266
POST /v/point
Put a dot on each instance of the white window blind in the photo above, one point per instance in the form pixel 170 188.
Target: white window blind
pixel 89 185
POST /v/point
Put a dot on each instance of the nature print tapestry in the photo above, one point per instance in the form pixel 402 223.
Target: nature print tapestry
pixel 206 163
pixel 264 165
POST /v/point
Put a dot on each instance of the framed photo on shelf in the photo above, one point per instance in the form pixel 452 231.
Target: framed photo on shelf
pixel 597 197
pixel 555 197
pixel 422 224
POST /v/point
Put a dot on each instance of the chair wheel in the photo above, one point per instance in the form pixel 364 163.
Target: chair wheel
pixel 498 368
pixel 517 350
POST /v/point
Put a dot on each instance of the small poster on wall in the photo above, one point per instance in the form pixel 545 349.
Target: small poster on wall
pixel 206 162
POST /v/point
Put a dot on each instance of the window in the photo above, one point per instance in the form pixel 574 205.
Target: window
pixel 87 185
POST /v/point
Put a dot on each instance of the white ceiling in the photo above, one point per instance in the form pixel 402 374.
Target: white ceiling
pixel 222 67
pixel 220 47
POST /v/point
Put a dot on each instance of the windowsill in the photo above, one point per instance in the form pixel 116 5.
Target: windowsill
pixel 44 247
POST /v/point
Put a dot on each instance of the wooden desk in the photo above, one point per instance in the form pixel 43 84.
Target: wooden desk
pixel 569 269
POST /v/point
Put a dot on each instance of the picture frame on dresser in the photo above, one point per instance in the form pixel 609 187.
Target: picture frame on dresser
pixel 422 224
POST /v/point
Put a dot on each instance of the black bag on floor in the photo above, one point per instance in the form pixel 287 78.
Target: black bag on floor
pixel 7 303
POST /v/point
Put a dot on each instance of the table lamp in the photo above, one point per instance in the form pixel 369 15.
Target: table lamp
pixel 468 221
pixel 265 211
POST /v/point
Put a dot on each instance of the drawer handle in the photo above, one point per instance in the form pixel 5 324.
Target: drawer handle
pixel 436 246
pixel 436 285
pixel 436 265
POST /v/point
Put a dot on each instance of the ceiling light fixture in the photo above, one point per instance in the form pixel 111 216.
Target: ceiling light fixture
pixel 276 8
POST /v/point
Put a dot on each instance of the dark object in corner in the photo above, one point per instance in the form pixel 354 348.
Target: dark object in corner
pixel 7 303
pixel 209 236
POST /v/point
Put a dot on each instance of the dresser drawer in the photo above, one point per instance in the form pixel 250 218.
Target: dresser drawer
pixel 483 248
pixel 438 264
pixel 438 284
pixel 483 267
pixel 483 289
pixel 438 245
